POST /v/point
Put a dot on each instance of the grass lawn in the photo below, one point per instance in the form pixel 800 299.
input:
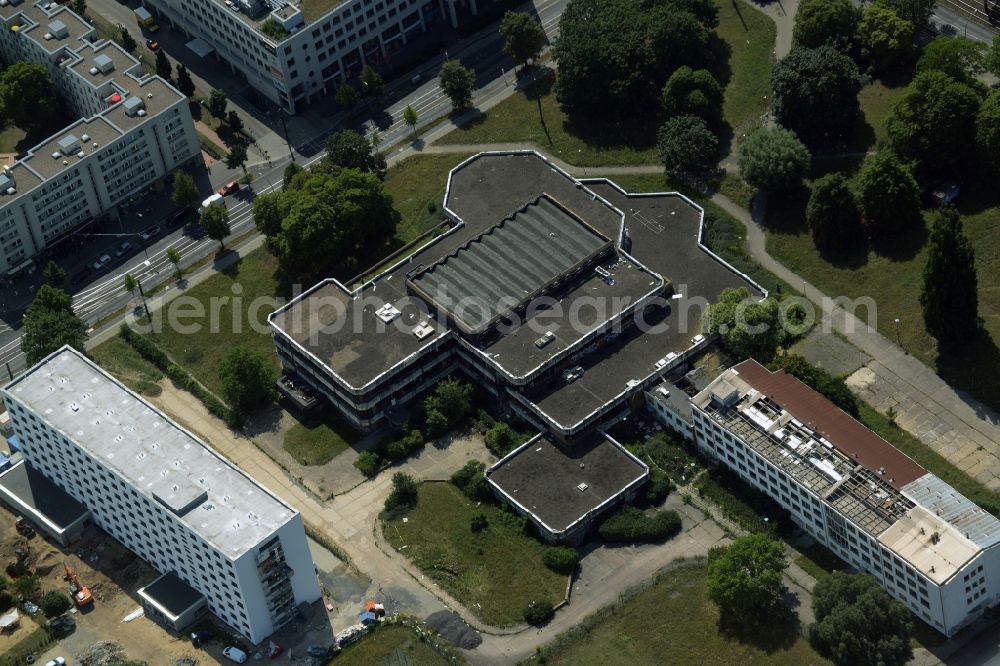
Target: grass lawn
pixel 876 100
pixel 494 573
pixel 742 55
pixel 416 184
pixel 318 443
pixel 747 42
pixel 672 622
pixel 201 351
pixel 121 360
pixel 391 646
pixel 10 137
pixel 894 281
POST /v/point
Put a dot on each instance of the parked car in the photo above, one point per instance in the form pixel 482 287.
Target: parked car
pixel 102 263
pixel 150 233
pixel 152 45
pixel 199 638
pixel 235 654
pixel 573 374
pixel 58 661
pixel 123 249
pixel 319 651
pixel 229 188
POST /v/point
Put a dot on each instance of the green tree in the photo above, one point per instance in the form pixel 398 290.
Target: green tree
pixel 457 82
pixel 523 36
pixel 80 7
pixel 746 326
pixel 745 580
pixel 887 195
pixel 404 492
pixel 858 623
pixel 184 82
pixel 215 221
pixel 372 84
pixel 291 171
pixel 130 283
pixel 614 55
pixel 688 149
pixel 27 95
pixel 27 586
pixel 349 149
pixel 500 439
pixel 815 91
pixel 246 380
pixel 819 22
pixel 917 12
pixel 163 67
pixel 217 103
pixel 960 58
pixel 54 275
pixel 347 96
pixel 773 159
pixel 934 123
pixel 174 257
pixel 327 219
pixel 949 299
pixel 49 323
pixel 988 129
pixel 832 215
pixel 693 92
pixel 126 40
pixel 452 398
pixel 992 60
pixel 234 122
pixel 887 40
pixel 410 118
pixel 55 603
pixel 237 157
pixel 184 193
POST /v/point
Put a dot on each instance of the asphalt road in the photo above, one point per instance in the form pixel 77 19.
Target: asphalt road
pixel 106 295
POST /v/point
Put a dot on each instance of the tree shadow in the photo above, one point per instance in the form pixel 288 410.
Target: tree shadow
pixel 853 257
pixel 974 369
pixel 770 631
pixel 785 213
pixel 718 59
pixel 903 246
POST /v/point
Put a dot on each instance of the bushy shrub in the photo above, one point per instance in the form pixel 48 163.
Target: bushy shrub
pixel 449 405
pixel 369 463
pixel 658 489
pixel 471 482
pixel 55 603
pixel 483 421
pixel 663 451
pixel 538 613
pixel 479 522
pixel 561 559
pixel 634 525
pixel 404 492
pixel 500 439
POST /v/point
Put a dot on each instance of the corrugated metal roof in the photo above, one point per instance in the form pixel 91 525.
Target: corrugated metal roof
pixel 511 263
pixel 939 498
pixel 844 432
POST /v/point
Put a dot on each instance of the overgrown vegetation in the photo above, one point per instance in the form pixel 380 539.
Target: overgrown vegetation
pixel 319 442
pixel 633 525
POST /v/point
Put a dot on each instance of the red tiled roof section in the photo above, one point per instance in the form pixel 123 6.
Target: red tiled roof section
pixel 843 431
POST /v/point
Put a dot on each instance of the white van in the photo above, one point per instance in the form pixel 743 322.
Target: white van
pixel 214 199
pixel 235 654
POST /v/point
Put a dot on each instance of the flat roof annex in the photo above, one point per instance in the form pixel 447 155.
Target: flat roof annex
pixel 562 486
pixel 145 447
pixel 509 264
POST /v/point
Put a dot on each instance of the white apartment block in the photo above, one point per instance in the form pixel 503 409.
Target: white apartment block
pixel 318 52
pixel 163 493
pixel 133 131
pixel 878 510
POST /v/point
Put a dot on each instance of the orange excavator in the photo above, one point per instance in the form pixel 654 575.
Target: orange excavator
pixel 80 593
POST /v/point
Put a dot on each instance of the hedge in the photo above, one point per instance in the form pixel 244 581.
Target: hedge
pixel 538 613
pixel 472 483
pixel 561 559
pixel 149 351
pixel 632 525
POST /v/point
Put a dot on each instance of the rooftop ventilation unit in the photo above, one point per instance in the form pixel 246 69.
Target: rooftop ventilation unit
pixel 48 36
pixel 134 106
pixel 93 71
pixel 81 154
pixel 56 156
pixel 103 64
pixel 582 487
pixel 65 162
pixel 11 190
pixel 58 30
pixel 94 144
pixel 387 313
pixel 85 138
pixel 422 330
pixel 69 145
pixel 140 112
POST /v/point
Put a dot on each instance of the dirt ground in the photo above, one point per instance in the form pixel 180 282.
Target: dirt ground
pixel 113 575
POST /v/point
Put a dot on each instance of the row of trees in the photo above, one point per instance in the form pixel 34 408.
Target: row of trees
pixel 857 622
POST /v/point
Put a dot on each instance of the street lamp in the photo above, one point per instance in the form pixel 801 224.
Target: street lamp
pixel 897 333
pixel 504 75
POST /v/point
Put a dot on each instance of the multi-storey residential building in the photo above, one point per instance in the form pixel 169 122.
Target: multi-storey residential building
pixel 163 493
pixel 134 130
pixel 310 46
pixel 927 545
